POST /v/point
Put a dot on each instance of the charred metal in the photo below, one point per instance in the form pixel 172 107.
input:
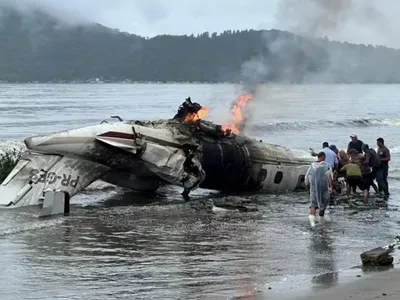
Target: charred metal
pixel 185 151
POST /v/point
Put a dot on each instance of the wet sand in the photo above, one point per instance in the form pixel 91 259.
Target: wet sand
pixel 382 285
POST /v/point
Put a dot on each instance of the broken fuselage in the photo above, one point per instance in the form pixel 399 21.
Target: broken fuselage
pixel 141 155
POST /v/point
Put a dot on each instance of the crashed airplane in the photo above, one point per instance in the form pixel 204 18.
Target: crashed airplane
pixel 185 151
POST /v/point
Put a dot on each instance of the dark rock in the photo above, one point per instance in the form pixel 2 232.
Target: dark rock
pixel 384 294
pixel 377 257
pixel 358 275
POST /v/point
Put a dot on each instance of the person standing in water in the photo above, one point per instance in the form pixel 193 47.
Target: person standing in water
pixel 355 179
pixel 384 155
pixel 319 182
pixel 353 176
pixel 371 159
pixel 355 144
pixel 330 155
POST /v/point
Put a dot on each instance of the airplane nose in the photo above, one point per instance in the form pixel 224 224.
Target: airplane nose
pixel 28 143
pixel 32 143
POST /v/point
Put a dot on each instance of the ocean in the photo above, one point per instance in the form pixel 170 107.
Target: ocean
pixel 117 244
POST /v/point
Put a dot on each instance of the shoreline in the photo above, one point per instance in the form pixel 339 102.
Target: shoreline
pixel 354 284
pixel 377 285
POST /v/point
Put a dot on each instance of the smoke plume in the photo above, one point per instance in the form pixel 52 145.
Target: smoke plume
pixel 337 19
pixel 313 20
pixel 62 12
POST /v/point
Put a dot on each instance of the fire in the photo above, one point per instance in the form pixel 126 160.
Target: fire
pixel 237 113
pixel 192 117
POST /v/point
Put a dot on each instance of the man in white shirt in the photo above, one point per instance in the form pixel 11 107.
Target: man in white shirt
pixel 330 156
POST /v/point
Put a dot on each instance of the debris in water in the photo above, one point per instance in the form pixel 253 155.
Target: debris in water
pixel 356 202
pixel 225 204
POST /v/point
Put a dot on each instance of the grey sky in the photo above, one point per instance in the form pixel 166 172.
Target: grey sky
pixel 364 21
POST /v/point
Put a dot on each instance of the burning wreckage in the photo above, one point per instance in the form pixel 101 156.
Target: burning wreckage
pixel 186 151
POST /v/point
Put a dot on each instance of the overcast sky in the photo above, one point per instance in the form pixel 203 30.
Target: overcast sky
pixel 359 21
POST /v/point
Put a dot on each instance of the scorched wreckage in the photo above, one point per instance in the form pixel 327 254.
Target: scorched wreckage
pixel 186 151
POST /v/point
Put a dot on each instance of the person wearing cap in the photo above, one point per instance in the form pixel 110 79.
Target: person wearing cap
pixel 355 144
pixel 333 148
pixel 319 183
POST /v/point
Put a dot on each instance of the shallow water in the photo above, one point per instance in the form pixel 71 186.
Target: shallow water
pixel 121 245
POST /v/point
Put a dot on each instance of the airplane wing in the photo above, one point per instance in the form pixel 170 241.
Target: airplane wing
pixel 35 173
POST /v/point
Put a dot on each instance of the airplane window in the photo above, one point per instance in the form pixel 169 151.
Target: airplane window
pixel 300 182
pixel 262 175
pixel 278 177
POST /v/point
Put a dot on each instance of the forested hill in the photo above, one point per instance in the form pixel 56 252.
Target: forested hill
pixel 38 48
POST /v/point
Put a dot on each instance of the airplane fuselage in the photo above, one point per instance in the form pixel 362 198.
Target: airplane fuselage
pixel 140 157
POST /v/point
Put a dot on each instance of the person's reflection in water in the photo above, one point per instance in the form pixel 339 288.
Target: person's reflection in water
pixel 244 290
pixel 321 258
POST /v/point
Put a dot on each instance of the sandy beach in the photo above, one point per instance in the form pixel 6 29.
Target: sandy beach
pixel 382 285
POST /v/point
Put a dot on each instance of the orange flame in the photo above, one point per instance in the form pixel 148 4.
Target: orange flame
pixel 192 117
pixel 237 113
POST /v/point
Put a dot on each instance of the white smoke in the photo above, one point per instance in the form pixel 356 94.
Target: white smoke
pixel 61 11
pixel 352 20
pixel 356 21
pixel 121 14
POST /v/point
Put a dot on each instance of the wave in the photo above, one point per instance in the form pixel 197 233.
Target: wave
pixel 18 228
pixel 282 126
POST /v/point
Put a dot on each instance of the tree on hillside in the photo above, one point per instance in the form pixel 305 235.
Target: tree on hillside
pixel 37 48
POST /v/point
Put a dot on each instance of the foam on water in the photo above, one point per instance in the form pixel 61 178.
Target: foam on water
pixel 11 147
pixel 26 226
pixel 304 125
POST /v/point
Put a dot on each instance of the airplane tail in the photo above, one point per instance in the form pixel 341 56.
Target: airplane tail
pixel 35 173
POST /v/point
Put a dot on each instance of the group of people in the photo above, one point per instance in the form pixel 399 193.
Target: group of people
pixel 360 165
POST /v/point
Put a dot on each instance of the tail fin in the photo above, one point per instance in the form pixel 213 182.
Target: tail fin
pixel 34 173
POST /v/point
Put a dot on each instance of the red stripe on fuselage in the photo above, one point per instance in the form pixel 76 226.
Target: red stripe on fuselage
pixel 119 135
